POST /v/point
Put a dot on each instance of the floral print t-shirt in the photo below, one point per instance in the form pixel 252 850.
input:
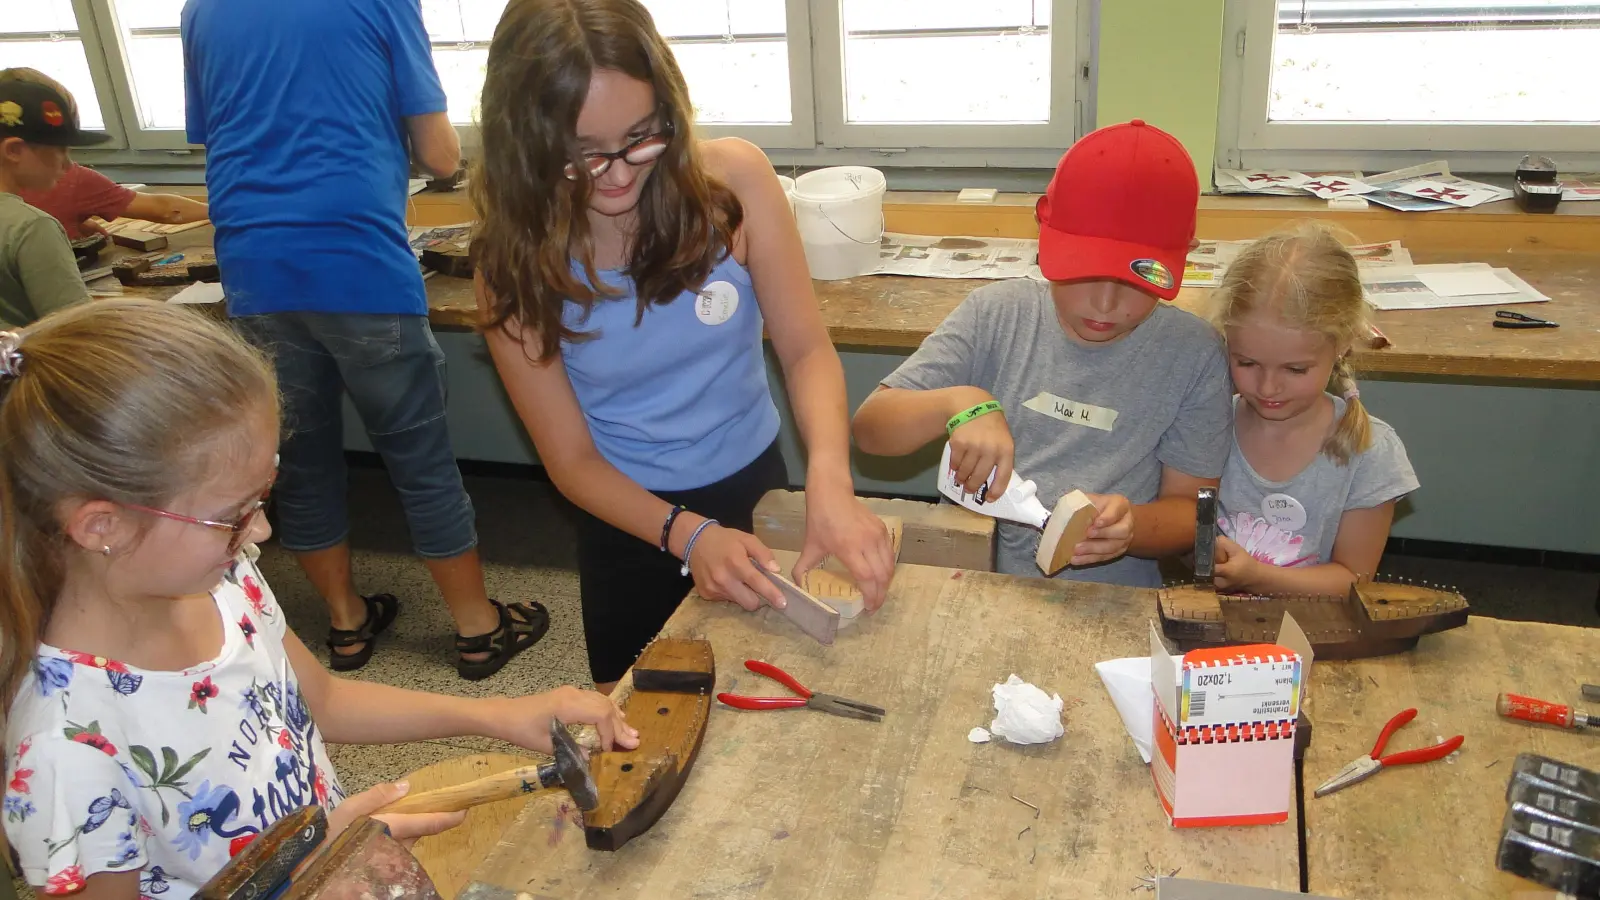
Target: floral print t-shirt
pixel 1294 522
pixel 111 768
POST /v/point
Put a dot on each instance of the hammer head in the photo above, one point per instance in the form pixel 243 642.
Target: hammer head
pixel 571 769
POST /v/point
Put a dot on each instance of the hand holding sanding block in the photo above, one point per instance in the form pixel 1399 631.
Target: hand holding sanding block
pixel 814 617
pixel 832 584
pixel 1064 527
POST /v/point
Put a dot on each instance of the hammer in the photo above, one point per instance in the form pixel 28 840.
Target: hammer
pixel 570 771
pixel 263 868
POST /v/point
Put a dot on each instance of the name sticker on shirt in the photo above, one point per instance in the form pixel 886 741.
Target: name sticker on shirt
pixel 1072 411
pixel 716 303
pixel 1284 512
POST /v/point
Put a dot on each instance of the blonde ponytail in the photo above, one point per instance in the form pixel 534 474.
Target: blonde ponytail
pixel 1353 434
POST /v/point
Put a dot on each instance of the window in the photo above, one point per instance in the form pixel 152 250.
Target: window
pixel 44 35
pixel 921 82
pixel 1370 83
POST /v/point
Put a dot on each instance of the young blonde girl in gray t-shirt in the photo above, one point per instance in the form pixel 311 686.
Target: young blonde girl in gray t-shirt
pixel 1311 480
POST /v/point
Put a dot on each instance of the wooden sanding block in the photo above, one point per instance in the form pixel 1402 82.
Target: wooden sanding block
pixel 814 617
pixel 1069 524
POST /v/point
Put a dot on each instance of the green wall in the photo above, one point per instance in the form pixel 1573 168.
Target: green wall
pixel 1160 60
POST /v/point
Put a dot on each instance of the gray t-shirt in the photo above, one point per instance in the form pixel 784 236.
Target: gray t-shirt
pixel 1101 419
pixel 38 273
pixel 1294 522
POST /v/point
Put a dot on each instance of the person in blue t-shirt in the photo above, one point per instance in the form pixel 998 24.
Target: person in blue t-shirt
pixel 307 109
pixel 626 271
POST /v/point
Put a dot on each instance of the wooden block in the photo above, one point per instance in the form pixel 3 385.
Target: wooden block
pixel 1069 523
pixel 933 534
pixel 142 241
pixel 831 582
pixel 814 617
pixel 675 666
pixel 836 591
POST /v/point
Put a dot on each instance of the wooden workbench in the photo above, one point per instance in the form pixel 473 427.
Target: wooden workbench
pixel 898 312
pixel 803 804
pixel 1431 830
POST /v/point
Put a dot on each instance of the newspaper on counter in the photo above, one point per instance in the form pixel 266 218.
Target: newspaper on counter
pixel 1580 187
pixel 1209 260
pixel 1442 190
pixel 1404 287
pixel 931 256
pixel 1276 182
pixel 424 237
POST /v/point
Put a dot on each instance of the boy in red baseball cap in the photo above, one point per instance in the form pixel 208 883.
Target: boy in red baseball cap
pixel 1086 382
pixel 38 122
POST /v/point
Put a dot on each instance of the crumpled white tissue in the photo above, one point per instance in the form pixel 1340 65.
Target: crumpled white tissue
pixel 1025 714
pixel 978 736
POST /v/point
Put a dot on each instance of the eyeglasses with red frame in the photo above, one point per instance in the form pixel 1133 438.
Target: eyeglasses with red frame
pixel 237 530
pixel 647 149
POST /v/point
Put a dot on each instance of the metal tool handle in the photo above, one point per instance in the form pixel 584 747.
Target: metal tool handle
pixel 1531 709
pixel 1401 718
pixel 778 675
pixel 738 702
pixel 1424 754
pixel 1205 534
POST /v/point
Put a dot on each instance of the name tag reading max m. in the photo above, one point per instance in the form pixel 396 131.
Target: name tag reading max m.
pixel 1072 411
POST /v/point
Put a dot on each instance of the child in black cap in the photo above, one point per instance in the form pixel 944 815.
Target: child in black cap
pixel 38 122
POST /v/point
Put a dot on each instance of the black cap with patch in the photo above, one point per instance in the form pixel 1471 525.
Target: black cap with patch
pixel 40 114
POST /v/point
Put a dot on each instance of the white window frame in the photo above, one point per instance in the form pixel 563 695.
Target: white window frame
pixel 99 71
pixel 108 32
pixel 1247 139
pixel 817 134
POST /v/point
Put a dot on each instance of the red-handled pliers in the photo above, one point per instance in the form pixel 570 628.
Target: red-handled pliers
pixel 1366 766
pixel 828 703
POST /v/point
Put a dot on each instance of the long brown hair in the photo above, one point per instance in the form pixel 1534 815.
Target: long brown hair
pixel 533 220
pixel 1307 278
pixel 121 400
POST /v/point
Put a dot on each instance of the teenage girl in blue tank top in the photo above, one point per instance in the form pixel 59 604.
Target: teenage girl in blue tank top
pixel 625 272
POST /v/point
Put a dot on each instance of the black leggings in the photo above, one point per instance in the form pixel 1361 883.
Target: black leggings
pixel 630 588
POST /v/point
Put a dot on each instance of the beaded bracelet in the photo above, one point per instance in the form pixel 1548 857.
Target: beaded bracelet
pixel 965 416
pixel 666 527
pixel 688 549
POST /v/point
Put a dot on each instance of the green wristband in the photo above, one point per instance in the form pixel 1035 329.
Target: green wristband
pixel 965 416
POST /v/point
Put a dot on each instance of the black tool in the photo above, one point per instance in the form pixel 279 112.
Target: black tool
pixel 1505 318
pixel 1537 189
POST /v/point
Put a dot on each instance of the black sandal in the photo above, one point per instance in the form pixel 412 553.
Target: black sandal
pixel 521 626
pixel 381 612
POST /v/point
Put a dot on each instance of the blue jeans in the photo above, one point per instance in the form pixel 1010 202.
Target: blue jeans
pixel 394 372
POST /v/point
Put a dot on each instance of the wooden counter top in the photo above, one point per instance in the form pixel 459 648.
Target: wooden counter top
pixel 896 312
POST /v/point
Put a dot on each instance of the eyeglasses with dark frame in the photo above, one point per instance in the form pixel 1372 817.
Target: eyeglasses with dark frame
pixel 647 149
pixel 237 530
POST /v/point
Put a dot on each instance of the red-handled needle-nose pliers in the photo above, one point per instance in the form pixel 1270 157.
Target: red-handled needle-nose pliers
pixel 828 703
pixel 1366 766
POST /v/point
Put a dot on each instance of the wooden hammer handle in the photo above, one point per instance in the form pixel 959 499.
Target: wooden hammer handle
pixel 501 786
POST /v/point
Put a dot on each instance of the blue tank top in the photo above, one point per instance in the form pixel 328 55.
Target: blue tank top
pixel 680 401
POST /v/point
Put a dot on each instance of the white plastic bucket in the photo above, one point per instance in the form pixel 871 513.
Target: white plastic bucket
pixel 840 215
pixel 787 184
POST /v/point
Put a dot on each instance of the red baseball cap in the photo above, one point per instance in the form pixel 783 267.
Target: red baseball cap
pixel 1121 207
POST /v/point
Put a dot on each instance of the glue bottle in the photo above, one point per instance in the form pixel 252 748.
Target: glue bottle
pixel 1018 504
